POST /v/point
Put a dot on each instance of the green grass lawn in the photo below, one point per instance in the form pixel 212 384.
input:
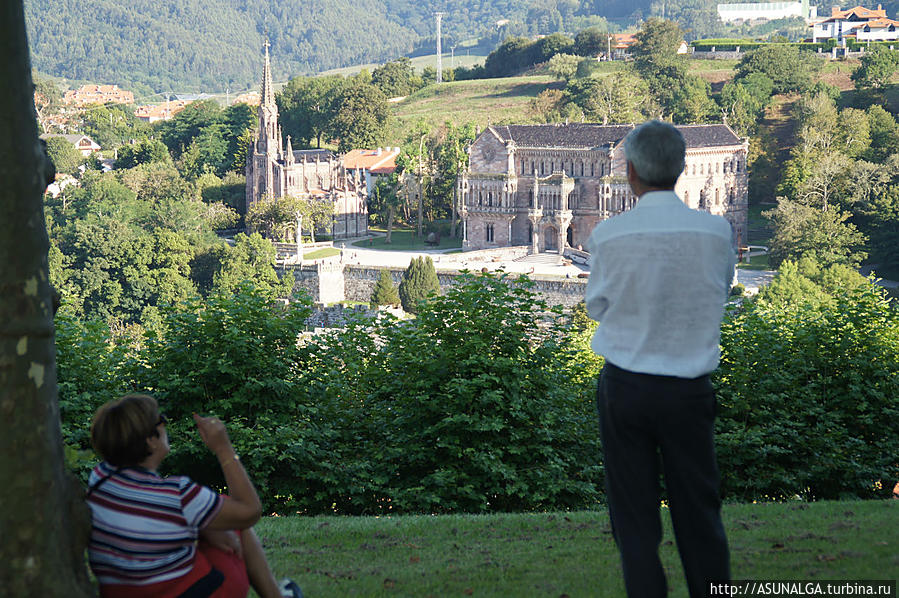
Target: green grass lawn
pixel 483 102
pixel 405 240
pixel 556 554
pixel 320 253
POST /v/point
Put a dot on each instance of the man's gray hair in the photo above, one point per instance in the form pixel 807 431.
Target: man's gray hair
pixel 656 150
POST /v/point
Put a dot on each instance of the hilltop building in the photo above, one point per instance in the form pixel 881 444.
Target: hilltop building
pixel 275 170
pixel 863 24
pixel 157 112
pixel 547 186
pixel 98 94
pixel 766 11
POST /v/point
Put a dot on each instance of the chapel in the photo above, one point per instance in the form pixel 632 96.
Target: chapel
pixel 275 170
pixel 547 186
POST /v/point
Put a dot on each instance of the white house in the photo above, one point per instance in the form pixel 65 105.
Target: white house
pixel 864 24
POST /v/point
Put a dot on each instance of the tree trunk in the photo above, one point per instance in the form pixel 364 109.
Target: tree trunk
pixel 389 224
pixel 44 521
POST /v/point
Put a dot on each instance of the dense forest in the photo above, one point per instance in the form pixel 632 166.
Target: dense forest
pixel 187 45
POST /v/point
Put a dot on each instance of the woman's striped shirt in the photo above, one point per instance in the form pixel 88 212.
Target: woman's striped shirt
pixel 145 527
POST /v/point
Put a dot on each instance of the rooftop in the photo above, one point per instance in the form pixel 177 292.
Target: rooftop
pixel 588 135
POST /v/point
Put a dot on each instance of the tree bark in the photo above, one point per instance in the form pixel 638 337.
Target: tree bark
pixel 44 520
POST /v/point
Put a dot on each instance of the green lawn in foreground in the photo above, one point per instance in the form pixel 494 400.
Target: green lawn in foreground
pixel 555 554
pixel 405 240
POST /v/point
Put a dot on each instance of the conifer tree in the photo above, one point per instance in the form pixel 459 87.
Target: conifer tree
pixel 419 279
pixel 385 292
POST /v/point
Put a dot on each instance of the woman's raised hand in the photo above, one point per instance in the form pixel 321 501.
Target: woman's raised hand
pixel 215 436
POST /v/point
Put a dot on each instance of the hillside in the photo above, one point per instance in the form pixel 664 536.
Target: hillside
pixel 483 102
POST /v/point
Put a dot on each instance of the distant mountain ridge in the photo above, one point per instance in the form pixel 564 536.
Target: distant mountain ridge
pixel 183 46
pixel 196 45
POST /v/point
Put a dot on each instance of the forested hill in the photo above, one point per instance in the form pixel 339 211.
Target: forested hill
pixel 197 45
pixel 164 46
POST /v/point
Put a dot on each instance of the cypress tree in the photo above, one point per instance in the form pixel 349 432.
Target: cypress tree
pixel 419 279
pixel 384 292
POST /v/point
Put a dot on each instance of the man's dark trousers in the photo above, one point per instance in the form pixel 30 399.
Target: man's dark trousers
pixel 642 418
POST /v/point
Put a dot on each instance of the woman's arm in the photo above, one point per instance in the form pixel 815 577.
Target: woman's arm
pixel 242 507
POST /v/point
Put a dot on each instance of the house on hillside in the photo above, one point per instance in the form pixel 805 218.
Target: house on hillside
pixel 620 44
pixel 98 94
pixel 368 165
pixel 163 111
pixel 547 186
pixel 860 23
pixel 82 143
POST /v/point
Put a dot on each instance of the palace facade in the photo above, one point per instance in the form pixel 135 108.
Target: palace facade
pixel 547 186
pixel 274 170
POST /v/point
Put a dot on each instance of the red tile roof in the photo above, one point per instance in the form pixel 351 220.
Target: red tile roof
pixel 379 161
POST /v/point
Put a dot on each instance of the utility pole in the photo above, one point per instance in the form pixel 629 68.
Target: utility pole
pixel 439 16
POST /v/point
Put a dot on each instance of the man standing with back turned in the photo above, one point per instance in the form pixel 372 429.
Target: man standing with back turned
pixel 659 278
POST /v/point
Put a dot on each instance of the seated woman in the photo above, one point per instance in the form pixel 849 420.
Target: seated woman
pixel 145 528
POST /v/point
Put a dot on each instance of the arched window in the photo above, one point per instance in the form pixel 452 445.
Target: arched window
pixel 490 199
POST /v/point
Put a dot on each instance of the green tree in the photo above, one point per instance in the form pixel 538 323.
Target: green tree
pixel 47 101
pixel 617 98
pixel 418 283
pixel 822 235
pixel 884 132
pixel 492 424
pixel 251 259
pixel 306 107
pixel 878 65
pixel 142 152
pixel 361 116
pixel 44 522
pixel 591 42
pixel 63 154
pixel 785 65
pixel 387 200
pixel 656 46
pixel 806 389
pixel 235 354
pixel 112 125
pixel 396 78
pixel 385 292
pixel 563 66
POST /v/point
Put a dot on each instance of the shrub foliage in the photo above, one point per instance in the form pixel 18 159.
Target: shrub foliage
pixel 485 400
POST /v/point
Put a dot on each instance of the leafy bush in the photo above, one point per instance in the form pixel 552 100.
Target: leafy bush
pixel 807 390
pixel 235 356
pixel 491 420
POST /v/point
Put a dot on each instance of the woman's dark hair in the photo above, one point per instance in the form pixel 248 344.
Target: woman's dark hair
pixel 120 429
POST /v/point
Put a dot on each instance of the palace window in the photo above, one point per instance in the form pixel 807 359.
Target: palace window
pixel 592 173
pixel 490 199
pixel 480 198
pixel 582 169
pixel 542 168
pixel 490 233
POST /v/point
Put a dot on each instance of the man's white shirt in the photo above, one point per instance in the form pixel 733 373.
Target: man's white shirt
pixel 660 275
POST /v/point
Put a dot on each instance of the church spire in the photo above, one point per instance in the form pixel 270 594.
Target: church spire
pixel 268 92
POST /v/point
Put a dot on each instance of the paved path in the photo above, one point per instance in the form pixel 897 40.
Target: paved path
pixel 544 264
